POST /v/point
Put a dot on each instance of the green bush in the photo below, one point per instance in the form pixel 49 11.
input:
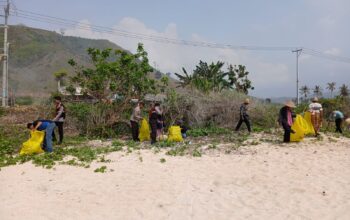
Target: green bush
pixel 264 116
pixel 24 100
pixel 98 120
pixel 2 111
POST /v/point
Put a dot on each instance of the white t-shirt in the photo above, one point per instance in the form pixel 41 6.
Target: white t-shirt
pixel 315 107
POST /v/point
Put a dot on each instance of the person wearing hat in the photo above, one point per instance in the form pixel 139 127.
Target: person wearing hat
pixel 316 111
pixel 243 115
pixel 286 119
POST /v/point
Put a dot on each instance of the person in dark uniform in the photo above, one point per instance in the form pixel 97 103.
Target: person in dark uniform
pixel 153 121
pixel 59 118
pixel 243 116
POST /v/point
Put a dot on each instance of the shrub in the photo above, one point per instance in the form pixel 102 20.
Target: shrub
pixel 24 100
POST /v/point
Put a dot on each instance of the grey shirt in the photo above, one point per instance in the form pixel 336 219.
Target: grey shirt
pixel 136 114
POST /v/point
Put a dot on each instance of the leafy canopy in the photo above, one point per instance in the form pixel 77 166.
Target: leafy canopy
pixel 210 77
pixel 115 72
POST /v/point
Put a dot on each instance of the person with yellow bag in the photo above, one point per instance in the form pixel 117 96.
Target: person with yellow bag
pixel 47 126
pixel 286 119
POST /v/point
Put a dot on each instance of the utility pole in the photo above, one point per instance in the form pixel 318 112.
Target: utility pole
pixel 5 59
pixel 298 52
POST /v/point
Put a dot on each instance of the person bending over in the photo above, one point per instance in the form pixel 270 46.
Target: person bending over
pixel 47 126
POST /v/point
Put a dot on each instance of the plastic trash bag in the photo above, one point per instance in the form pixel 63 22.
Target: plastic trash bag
pixel 33 145
pixel 300 127
pixel 310 128
pixel 175 134
pixel 144 134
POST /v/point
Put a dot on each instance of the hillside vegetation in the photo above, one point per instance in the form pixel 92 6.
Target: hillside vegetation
pixel 36 54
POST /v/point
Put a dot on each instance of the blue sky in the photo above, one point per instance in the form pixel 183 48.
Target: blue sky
pixel 319 24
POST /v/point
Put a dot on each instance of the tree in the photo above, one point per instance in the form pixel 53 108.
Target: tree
pixel 305 91
pixel 318 91
pixel 210 77
pixel 184 80
pixel 344 91
pixel 238 78
pixel 59 76
pixel 117 72
pixel 112 74
pixel 331 87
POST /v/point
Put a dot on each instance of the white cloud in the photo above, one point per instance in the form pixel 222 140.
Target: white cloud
pixel 333 51
pixel 327 22
pixel 171 58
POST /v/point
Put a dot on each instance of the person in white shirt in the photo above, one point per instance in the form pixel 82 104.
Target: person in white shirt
pixel 316 111
pixel 135 118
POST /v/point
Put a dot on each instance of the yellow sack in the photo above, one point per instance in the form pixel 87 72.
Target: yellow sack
pixel 299 127
pixel 144 134
pixel 33 145
pixel 175 134
pixel 310 128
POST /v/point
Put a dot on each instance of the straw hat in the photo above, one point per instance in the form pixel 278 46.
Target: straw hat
pixel 290 104
pixel 246 101
pixel 315 99
pixel 347 121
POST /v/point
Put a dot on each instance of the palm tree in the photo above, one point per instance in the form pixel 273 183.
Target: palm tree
pixel 331 87
pixel 185 80
pixel 305 91
pixel 344 91
pixel 318 91
pixel 210 77
pixel 59 76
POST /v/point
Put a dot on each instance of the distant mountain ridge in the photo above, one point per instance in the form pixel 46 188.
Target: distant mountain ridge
pixel 35 54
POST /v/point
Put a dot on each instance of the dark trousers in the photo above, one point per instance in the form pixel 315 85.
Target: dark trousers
pixel 59 125
pixel 287 131
pixel 246 121
pixel 338 123
pixel 153 124
pixel 135 130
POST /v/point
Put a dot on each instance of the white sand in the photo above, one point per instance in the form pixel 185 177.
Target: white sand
pixel 266 182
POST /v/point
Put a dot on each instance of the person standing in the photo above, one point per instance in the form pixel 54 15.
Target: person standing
pixel 59 118
pixel 286 120
pixel 243 116
pixel 160 120
pixel 153 121
pixel 338 117
pixel 47 126
pixel 316 111
pixel 135 119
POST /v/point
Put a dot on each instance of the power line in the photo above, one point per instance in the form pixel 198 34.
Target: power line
pixel 160 39
pixel 123 33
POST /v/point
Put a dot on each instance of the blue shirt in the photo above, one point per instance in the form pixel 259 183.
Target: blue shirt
pixel 338 115
pixel 44 124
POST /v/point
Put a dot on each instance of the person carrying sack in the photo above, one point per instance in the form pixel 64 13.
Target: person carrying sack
pixel 244 117
pixel 47 126
pixel 286 119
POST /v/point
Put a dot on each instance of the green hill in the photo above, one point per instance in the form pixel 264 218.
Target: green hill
pixel 36 54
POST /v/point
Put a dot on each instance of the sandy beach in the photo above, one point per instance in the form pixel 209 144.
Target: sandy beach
pixel 309 180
